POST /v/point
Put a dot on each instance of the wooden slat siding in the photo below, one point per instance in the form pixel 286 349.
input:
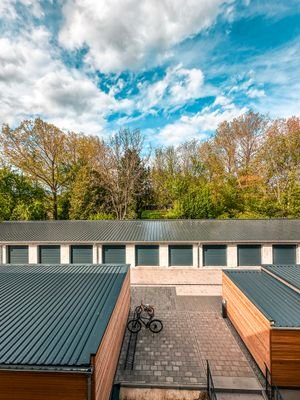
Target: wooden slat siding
pixel 106 359
pixel 285 357
pixel 250 323
pixel 21 385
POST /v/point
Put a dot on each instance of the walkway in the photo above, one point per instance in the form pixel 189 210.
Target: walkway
pixel 194 331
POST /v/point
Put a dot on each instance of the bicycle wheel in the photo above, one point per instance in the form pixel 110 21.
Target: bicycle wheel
pixel 155 326
pixel 138 310
pixel 134 326
pixel 149 310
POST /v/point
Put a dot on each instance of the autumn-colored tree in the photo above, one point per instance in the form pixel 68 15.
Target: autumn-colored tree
pixel 39 150
pixel 280 164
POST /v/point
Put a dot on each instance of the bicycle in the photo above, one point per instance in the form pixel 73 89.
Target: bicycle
pixel 144 308
pixel 135 324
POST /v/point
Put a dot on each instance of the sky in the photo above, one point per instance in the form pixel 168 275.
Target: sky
pixel 174 69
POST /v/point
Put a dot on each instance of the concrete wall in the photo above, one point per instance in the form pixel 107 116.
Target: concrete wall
pixel 65 254
pixel 232 256
pixel 33 254
pixel 163 255
pixel 267 254
pixel 188 281
pixel 298 254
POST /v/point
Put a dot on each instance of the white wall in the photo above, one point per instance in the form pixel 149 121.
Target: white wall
pixel 195 256
pixel 100 254
pixel 95 254
pixel 33 254
pixel 200 256
pixel 266 254
pixel 130 254
pixel 298 254
pixel 232 255
pixel 4 254
pixel 65 254
pixel 163 255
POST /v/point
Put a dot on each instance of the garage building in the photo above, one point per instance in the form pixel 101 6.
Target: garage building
pixel 153 243
pixel 266 313
pixel 62 328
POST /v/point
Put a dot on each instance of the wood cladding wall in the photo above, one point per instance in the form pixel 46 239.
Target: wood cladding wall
pixel 106 359
pixel 285 357
pixel 250 323
pixel 42 385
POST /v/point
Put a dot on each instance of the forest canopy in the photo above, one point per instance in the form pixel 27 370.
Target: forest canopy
pixel 249 168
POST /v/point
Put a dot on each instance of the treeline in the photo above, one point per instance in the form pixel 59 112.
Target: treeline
pixel 250 168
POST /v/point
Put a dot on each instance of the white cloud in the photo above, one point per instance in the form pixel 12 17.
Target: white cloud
pixel 8 8
pixel 201 124
pixel 35 82
pixel 127 34
pixel 178 86
pixel 255 93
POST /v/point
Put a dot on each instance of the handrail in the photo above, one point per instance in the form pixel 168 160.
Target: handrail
pixel 271 390
pixel 211 392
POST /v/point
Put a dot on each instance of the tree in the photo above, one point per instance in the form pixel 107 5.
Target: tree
pixel 19 198
pixel 123 172
pixel 280 165
pixel 39 150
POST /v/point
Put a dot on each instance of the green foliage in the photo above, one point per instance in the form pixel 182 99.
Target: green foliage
pixel 154 214
pixel 248 169
pixel 101 215
pixel 194 202
pixel 19 198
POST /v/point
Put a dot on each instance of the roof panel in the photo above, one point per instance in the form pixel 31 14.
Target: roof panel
pixel 288 273
pixel 276 230
pixel 55 315
pixel 276 301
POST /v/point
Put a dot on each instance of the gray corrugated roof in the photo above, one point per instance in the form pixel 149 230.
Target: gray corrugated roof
pixel 55 315
pixel 273 298
pixel 284 230
pixel 289 273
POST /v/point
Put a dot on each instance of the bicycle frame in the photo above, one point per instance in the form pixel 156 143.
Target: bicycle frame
pixel 144 320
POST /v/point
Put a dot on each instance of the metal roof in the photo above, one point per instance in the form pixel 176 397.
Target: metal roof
pixel 288 273
pixel 260 230
pixel 276 301
pixel 55 315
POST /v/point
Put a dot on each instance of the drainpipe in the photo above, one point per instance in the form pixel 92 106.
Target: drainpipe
pixel 89 386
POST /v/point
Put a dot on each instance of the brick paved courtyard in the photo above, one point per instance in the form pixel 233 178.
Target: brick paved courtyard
pixel 194 331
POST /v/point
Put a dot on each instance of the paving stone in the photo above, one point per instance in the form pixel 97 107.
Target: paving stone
pixel 193 332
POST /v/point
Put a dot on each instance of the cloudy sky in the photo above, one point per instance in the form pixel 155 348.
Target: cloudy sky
pixel 173 68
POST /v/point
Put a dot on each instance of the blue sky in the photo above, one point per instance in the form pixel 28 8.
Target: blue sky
pixel 174 69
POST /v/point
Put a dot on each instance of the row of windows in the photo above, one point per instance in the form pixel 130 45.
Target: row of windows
pixel 148 255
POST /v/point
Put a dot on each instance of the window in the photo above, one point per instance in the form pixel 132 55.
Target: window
pixel 17 255
pixel 81 254
pixel 284 254
pixel 49 254
pixel 147 255
pixel 214 255
pixel 249 255
pixel 114 254
pixel 180 255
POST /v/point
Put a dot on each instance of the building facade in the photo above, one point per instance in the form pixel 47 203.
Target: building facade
pixel 189 244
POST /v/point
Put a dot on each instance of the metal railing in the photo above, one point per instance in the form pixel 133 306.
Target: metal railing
pixel 271 390
pixel 211 392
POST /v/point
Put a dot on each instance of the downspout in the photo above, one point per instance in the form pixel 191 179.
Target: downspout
pixel 89 385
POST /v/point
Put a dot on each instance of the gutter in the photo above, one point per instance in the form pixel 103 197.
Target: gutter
pixel 36 368
pixel 285 328
pixel 74 242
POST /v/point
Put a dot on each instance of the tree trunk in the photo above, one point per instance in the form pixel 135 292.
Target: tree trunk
pixel 54 206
